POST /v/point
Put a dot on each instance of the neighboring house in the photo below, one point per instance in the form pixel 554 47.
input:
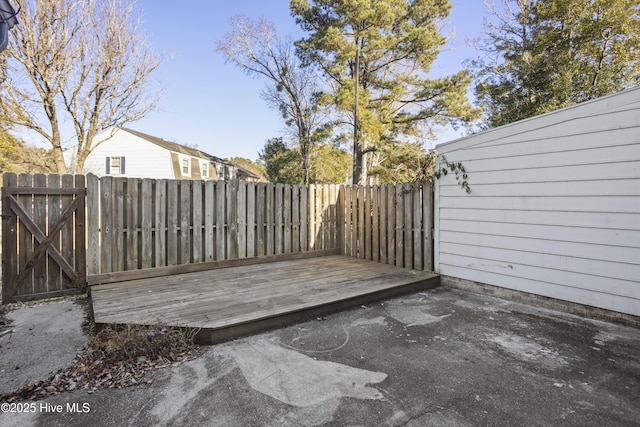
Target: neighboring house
pixel 554 208
pixel 128 153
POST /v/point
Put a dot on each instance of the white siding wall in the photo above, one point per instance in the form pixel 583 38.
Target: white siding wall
pixel 554 208
pixel 143 158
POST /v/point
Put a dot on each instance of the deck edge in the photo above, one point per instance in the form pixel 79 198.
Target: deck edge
pixel 209 336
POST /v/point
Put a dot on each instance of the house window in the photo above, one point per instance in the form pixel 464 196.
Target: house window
pixel 204 169
pixel 115 166
pixel 186 167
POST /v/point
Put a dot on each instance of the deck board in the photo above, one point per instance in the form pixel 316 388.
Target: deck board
pixel 228 302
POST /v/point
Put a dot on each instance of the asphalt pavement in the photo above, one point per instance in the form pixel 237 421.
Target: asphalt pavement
pixel 443 357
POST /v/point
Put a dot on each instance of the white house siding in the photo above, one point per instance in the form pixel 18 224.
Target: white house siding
pixel 143 159
pixel 554 208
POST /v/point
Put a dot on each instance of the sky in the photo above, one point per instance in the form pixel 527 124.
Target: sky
pixel 217 107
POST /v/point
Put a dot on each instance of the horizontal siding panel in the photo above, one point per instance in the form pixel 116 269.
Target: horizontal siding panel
pixel 623 204
pixel 584 250
pixel 597 236
pixel 620 221
pixel 567 144
pixel 553 290
pixel 613 187
pixel 599 268
pixel 572 121
pixel 144 159
pixel 624 288
pixel 615 154
pixel 624 170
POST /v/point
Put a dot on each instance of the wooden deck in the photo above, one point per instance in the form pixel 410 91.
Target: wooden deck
pixel 229 302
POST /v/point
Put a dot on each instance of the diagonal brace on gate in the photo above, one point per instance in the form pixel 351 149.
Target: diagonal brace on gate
pixel 45 241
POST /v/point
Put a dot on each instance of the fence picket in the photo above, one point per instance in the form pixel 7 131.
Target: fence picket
pixel 25 245
pixel 131 210
pixel 279 217
pixel 242 219
pixel 367 223
pixel 221 197
pixel 172 222
pixel 304 218
pixel 251 219
pixel 93 224
pixel 340 219
pixel 40 219
pixel 427 223
pixel 80 230
pixel 197 222
pixel 260 189
pixel 312 217
pixel 270 216
pixel 295 219
pixel 232 219
pixel 325 211
pixel 209 221
pixel 10 245
pixel 416 217
pixel 54 271
pixel 407 224
pixel 287 203
pixel 118 224
pixel 160 223
pixel 106 225
pixel 391 232
pixel 184 209
pixel 375 225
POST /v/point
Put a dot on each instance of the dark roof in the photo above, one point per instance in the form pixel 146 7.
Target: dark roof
pixel 183 149
pixel 174 146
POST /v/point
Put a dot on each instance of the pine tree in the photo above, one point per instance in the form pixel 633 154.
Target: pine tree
pixel 376 56
pixel 545 55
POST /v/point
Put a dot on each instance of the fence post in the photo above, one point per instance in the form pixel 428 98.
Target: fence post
pixel 340 223
pixel 427 221
pixel 81 231
pixel 93 225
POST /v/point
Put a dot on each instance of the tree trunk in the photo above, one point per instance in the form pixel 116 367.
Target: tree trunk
pixel 56 146
pixel 61 167
pixel 81 157
pixel 359 165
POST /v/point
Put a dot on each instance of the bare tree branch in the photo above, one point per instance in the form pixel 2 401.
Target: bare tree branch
pixel 255 48
pixel 86 60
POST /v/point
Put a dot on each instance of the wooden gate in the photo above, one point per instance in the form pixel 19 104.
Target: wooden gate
pixel 43 236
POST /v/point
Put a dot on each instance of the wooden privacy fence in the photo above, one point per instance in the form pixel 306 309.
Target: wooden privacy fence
pixel 145 223
pixel 43 236
pixel 391 224
pixel 144 227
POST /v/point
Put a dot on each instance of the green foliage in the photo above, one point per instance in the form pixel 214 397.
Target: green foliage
pixel 399 162
pixel 10 152
pixel 331 165
pixel 546 55
pixel 457 168
pixel 394 43
pixel 16 156
pixel 282 164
